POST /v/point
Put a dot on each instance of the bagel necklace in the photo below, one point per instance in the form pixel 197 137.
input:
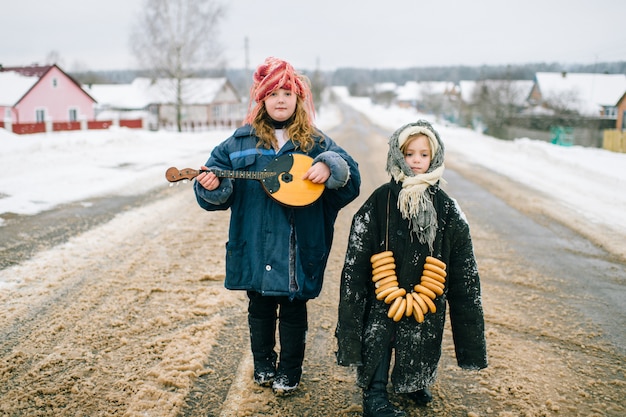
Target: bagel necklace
pixel 401 303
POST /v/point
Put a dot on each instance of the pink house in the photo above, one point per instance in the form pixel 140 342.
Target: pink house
pixel 42 94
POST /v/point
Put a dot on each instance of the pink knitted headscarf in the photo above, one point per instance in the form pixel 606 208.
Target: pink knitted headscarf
pixel 273 74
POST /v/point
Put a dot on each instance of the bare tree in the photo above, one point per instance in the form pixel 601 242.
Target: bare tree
pixel 174 39
pixel 54 57
pixel 497 101
pixel 563 103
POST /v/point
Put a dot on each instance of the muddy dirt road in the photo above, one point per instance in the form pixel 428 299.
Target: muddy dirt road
pixel 130 318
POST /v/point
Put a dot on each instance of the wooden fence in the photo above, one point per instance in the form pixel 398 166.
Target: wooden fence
pixel 614 140
pixel 26 128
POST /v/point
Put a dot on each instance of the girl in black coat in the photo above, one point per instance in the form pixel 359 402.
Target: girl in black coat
pixel 391 297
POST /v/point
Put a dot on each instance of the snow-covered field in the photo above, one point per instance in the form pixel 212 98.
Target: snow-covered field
pixel 41 171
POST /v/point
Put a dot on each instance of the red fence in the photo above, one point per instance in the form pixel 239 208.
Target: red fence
pixel 26 128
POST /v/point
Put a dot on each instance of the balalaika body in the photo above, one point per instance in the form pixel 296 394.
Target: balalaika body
pixel 281 179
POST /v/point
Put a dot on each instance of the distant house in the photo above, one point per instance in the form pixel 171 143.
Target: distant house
pixel 39 94
pixel 593 95
pixel 383 94
pixel 512 92
pixel 413 93
pixel 435 97
pixel 484 102
pixel 207 102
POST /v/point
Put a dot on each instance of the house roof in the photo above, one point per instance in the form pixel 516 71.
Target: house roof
pixel 586 93
pixel 119 96
pixel 13 86
pixel 409 91
pixel 386 87
pixel 413 90
pixel 30 71
pixel 18 81
pixel 512 91
pixel 143 92
pixel 467 90
pixel 194 90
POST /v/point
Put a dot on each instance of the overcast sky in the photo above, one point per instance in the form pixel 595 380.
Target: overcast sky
pixel 331 34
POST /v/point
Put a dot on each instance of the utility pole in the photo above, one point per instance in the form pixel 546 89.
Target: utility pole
pixel 248 73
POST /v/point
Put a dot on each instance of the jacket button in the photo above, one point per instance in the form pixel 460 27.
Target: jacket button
pixel 268 267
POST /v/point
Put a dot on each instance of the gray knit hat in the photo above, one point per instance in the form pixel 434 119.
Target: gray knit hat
pixel 395 158
pixel 414 201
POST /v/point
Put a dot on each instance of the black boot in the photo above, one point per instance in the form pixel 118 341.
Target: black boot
pixel 292 330
pixel 262 341
pixel 292 345
pixel 375 400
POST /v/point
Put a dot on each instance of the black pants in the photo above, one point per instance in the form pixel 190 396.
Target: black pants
pixel 263 313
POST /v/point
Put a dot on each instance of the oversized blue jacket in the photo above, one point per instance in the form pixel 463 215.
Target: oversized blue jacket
pixel 274 249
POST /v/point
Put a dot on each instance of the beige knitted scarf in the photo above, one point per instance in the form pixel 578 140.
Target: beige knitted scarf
pixel 414 201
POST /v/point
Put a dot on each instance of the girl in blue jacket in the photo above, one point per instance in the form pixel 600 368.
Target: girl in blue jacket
pixel 278 248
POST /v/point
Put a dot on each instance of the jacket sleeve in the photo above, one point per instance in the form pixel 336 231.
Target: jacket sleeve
pixel 344 184
pixel 353 296
pixel 221 197
pixel 464 298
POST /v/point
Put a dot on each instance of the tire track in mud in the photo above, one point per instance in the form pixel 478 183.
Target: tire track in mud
pixel 23 236
pixel 211 389
pixel 89 317
pixel 37 320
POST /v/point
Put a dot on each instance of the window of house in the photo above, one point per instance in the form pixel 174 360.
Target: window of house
pixel 217 112
pixel 236 111
pixel 73 115
pixel 610 112
pixel 40 115
pixel 54 83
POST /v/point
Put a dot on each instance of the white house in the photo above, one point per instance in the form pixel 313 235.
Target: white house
pixel 594 95
pixel 207 102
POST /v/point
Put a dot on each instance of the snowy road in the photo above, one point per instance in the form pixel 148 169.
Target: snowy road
pixel 131 318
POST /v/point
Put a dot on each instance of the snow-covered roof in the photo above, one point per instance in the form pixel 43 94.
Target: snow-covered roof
pixel 13 86
pixel 467 90
pixel 586 93
pixel 385 87
pixel 122 96
pixel 511 91
pixel 144 91
pixel 409 91
pixel 195 90
pixel 413 90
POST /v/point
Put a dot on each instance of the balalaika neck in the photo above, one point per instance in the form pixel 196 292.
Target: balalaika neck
pixel 248 175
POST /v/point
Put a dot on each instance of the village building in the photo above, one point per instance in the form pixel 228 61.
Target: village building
pixel 592 95
pixel 42 94
pixel 207 103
